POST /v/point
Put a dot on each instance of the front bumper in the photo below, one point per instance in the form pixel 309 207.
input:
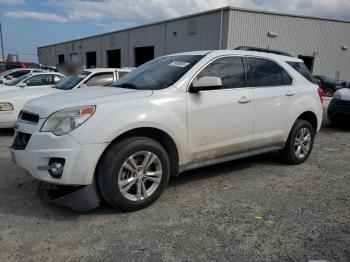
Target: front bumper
pixel 80 160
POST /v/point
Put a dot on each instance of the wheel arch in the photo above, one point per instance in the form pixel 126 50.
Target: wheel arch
pixel 158 135
pixel 310 117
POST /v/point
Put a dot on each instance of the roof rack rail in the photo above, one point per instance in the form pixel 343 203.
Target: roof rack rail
pixel 265 50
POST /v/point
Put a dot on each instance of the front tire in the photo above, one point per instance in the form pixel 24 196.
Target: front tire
pixel 133 173
pixel 299 144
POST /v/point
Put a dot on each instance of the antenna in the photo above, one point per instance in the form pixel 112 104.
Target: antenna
pixel 2 44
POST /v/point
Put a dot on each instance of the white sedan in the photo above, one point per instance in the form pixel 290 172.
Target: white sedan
pixel 31 81
pixel 16 73
pixel 14 95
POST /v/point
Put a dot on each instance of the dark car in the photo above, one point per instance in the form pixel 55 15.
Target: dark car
pixel 329 85
pixel 339 107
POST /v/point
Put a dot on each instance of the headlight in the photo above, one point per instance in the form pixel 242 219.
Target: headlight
pixel 6 107
pixel 64 121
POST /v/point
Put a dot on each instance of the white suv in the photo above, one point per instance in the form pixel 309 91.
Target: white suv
pixel 172 114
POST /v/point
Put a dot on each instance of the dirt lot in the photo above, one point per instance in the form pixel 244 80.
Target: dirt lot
pixel 207 214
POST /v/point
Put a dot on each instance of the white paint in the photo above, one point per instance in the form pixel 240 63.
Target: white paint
pixel 204 126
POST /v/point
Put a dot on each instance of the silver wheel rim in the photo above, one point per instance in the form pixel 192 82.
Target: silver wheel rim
pixel 302 143
pixel 140 176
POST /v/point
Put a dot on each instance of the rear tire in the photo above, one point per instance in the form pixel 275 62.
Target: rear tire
pixel 299 144
pixel 133 173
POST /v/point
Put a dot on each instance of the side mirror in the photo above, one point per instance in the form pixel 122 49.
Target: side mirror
pixel 205 83
pixel 22 85
pixel 9 77
pixel 83 86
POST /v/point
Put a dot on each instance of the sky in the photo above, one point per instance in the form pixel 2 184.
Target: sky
pixel 27 24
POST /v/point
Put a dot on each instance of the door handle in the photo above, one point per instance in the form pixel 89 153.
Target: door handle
pixel 290 93
pixel 245 100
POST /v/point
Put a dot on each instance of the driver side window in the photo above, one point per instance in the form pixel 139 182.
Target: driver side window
pixel 229 69
pixel 39 80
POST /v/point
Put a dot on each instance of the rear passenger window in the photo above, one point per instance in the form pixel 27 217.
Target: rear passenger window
pixel 121 74
pixel 264 72
pixel 101 79
pixel 229 69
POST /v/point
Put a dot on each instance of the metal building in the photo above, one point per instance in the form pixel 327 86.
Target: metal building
pixel 322 43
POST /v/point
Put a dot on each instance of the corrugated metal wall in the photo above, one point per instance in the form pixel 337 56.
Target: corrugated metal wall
pixel 197 32
pixel 321 39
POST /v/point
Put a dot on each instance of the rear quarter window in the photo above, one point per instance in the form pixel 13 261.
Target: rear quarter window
pixel 264 73
pixel 303 70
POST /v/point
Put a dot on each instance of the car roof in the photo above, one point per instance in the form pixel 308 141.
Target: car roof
pixel 45 73
pixel 242 53
pixel 98 70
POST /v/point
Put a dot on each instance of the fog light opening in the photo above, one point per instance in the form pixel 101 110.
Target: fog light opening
pixel 56 167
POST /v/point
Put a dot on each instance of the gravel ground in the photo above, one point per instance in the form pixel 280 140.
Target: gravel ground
pixel 255 209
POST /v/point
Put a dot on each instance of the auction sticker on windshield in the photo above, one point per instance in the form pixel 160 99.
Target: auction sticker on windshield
pixel 179 64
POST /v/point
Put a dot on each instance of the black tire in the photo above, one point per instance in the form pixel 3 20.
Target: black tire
pixel 288 154
pixel 111 163
pixel 332 122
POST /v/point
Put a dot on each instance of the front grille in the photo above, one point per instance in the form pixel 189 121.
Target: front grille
pixel 20 141
pixel 29 117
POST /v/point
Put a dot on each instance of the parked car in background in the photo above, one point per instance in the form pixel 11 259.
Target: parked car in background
pixel 175 113
pixel 49 68
pixel 16 73
pixel 93 77
pixel 4 66
pixel 339 107
pixel 328 85
pixel 34 80
pixel 15 94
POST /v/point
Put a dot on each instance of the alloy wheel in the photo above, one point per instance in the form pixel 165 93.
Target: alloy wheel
pixel 140 176
pixel 302 143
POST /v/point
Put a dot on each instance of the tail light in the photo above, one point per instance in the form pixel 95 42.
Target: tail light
pixel 320 93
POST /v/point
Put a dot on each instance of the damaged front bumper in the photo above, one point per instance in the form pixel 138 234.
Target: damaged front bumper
pixel 77 198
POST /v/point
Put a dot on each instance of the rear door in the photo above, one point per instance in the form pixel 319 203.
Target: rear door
pixel 275 97
pixel 220 122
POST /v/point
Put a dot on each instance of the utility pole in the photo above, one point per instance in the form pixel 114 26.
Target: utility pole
pixel 2 44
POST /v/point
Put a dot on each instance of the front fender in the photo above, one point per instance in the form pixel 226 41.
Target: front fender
pixel 109 122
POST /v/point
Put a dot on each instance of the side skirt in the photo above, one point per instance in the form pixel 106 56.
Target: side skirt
pixel 227 158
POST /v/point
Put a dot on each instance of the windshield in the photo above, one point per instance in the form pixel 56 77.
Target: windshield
pixel 6 72
pixel 16 81
pixel 159 73
pixel 71 81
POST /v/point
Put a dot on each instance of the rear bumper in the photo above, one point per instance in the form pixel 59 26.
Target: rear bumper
pixel 8 119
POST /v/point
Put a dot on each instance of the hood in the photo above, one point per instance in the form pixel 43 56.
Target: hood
pixel 26 93
pixel 45 106
pixel 343 94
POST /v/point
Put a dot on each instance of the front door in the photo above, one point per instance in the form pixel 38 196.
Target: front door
pixel 220 122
